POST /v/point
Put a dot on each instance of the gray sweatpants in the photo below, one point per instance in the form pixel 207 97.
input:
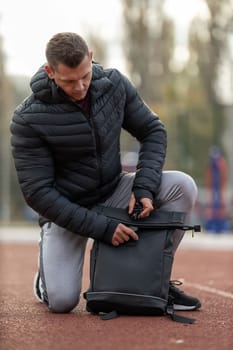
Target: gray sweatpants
pixel 62 252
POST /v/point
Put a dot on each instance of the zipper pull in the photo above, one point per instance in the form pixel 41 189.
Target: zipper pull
pixel 196 228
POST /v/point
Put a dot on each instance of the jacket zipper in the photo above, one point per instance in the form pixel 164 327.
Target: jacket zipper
pixel 89 118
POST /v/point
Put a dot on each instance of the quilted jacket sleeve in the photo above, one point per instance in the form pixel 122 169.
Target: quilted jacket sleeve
pixel 36 175
pixel 146 126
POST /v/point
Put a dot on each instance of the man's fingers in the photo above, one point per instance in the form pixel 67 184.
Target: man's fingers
pixel 131 203
pixel 147 207
pixel 115 242
pixel 123 234
pixel 130 233
pixel 146 212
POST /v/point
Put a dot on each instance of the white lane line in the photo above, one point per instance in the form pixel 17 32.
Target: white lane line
pixel 210 290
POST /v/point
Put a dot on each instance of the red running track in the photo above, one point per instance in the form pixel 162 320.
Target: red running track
pixel 26 324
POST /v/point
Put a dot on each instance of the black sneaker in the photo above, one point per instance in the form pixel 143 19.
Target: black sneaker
pixel 180 300
pixel 37 287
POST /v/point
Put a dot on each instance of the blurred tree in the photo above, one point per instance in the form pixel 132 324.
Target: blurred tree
pixel 19 90
pixel 5 102
pixel 12 92
pixel 209 49
pixel 190 125
pixel 98 46
pixel 148 46
pixel 187 99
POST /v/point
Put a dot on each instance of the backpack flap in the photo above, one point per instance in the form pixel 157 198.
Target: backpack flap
pixel 158 218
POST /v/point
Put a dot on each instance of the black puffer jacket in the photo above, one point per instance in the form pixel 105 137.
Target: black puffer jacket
pixel 68 162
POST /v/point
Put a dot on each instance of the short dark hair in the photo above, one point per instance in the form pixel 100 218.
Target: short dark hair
pixel 66 48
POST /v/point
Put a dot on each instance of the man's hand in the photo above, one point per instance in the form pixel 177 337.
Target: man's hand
pixel 147 206
pixel 122 234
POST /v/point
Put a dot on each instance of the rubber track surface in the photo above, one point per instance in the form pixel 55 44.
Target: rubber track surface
pixel 26 324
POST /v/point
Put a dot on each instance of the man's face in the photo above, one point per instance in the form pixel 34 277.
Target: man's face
pixel 73 81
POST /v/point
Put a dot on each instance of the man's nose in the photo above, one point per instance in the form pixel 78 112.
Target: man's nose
pixel 78 86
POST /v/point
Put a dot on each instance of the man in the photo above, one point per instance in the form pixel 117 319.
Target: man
pixel 66 147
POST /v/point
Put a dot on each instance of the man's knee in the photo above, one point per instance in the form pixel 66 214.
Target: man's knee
pixel 62 302
pixel 187 186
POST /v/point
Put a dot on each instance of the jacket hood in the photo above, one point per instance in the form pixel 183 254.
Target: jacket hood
pixel 46 90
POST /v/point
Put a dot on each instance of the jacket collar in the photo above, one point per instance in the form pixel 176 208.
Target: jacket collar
pixel 46 90
pixel 100 82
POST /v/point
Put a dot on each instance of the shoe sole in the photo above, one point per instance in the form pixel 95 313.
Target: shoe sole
pixel 35 288
pixel 178 307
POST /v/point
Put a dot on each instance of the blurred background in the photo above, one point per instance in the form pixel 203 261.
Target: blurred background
pixel 179 54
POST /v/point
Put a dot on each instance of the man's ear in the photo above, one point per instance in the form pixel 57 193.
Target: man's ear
pixel 49 71
pixel 91 55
